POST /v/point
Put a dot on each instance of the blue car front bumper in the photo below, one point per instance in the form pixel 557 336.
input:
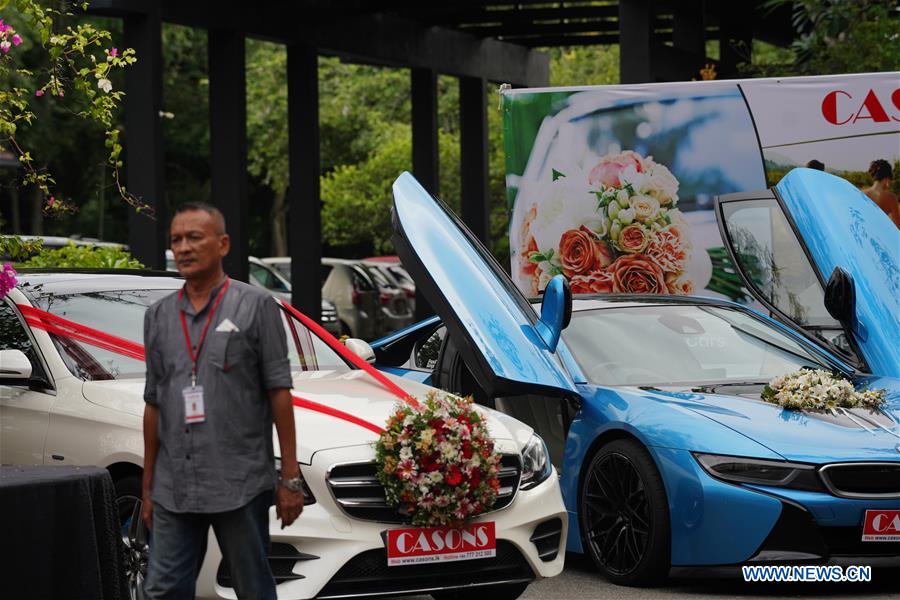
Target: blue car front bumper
pixel 718 523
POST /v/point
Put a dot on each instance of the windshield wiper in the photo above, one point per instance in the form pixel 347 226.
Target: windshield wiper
pixel 712 387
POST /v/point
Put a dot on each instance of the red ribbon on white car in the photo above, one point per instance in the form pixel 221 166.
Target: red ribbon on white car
pixel 62 327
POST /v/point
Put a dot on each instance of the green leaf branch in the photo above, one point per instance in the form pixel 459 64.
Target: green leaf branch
pixel 80 61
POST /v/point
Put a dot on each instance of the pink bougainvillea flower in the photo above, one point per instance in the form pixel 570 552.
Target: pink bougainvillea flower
pixel 7 279
pixel 61 93
pixel 114 52
pixel 16 39
pixel 5 46
pixel 38 93
pixel 51 201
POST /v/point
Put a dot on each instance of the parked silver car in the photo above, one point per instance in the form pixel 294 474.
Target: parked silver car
pixel 395 308
pixel 350 287
pixel 264 276
pixel 392 268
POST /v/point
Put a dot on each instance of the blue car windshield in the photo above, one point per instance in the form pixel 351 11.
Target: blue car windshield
pixel 681 344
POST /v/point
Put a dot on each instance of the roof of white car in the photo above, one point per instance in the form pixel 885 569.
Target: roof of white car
pixel 72 281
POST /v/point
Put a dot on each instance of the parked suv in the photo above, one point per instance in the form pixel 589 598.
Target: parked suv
pixel 392 268
pixel 350 287
pixel 395 308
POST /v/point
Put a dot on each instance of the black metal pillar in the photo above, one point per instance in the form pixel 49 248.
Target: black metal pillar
pixel 735 38
pixel 228 142
pixel 635 41
pixel 474 185
pixel 689 33
pixel 425 129
pixel 147 238
pixel 688 27
pixel 304 203
pixel 426 157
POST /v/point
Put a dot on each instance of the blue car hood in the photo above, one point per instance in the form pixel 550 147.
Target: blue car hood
pixel 808 438
pixel 842 227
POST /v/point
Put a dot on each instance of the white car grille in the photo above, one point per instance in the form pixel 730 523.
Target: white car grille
pixel 358 492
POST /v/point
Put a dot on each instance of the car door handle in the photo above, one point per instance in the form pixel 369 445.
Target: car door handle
pixel 57 457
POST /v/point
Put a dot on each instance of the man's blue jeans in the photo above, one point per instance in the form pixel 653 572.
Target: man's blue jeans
pixel 178 545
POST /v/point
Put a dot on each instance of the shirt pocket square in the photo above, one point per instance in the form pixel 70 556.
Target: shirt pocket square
pixel 227 326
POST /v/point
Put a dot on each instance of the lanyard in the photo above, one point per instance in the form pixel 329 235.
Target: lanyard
pixel 187 336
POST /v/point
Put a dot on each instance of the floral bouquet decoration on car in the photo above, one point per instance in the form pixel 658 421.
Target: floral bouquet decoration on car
pixel 620 230
pixel 816 390
pixel 437 462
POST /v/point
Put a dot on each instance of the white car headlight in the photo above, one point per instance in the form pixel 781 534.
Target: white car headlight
pixel 536 465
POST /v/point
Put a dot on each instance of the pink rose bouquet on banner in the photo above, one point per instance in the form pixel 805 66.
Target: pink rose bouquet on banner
pixel 437 462
pixel 635 240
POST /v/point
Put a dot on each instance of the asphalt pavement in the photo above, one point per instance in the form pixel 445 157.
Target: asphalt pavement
pixel 579 582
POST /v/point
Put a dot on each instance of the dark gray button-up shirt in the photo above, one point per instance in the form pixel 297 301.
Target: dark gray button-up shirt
pixel 226 461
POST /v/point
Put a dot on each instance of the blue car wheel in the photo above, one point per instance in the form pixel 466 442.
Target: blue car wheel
pixel 624 515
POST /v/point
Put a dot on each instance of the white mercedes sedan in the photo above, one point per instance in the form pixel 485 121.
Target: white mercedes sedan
pixel 71 392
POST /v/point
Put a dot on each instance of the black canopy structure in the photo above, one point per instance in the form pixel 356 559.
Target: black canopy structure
pixel 478 41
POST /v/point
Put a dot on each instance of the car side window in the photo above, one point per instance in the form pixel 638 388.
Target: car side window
pixel 774 261
pixel 13 336
pixel 361 282
pixel 427 351
pixel 260 275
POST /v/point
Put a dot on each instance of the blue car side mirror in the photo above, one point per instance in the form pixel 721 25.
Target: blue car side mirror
pixel 556 311
pixel 840 296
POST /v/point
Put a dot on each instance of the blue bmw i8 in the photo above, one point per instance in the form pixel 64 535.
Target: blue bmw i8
pixel 649 406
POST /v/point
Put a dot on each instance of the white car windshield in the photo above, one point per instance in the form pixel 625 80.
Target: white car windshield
pixel 681 344
pixel 121 313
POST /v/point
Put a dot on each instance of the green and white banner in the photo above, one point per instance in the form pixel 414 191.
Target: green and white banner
pixel 613 186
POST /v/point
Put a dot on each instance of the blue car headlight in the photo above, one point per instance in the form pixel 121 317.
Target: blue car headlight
pixel 758 471
pixel 536 465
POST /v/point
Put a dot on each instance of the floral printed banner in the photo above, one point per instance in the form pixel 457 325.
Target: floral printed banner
pixel 613 186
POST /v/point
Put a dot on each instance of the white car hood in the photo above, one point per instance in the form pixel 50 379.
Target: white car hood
pixel 352 392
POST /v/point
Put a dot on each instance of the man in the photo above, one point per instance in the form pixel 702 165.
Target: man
pixel 217 377
pixel 818 165
pixel 881 173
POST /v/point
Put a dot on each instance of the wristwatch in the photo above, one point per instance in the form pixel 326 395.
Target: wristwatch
pixel 295 484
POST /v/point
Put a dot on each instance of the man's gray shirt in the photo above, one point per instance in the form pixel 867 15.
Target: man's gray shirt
pixel 227 460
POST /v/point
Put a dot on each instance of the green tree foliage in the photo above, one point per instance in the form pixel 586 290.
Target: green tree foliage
pixel 84 257
pixel 50 63
pixel 77 59
pixel 833 36
pixel 186 114
pixel 584 65
pixel 357 197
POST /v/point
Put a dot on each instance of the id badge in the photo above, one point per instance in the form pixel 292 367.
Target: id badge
pixel 193 405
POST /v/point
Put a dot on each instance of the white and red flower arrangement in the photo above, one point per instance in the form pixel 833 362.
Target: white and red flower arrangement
pixel 816 390
pixel 437 461
pixel 633 239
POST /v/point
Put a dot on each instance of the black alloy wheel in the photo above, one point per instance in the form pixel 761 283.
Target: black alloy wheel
pixel 135 539
pixel 624 515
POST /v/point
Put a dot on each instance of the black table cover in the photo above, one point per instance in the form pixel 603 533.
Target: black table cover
pixel 59 534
